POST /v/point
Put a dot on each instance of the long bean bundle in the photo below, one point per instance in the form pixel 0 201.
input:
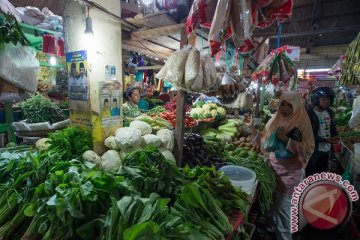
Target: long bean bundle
pixel 264 175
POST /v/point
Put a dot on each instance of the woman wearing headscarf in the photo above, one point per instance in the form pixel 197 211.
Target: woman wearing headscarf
pixel 130 108
pixel 289 172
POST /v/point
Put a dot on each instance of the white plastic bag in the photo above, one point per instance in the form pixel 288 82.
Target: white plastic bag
pixel 19 66
pixel 34 12
pixel 192 66
pixel 355 118
pixel 270 91
pixel 176 67
pixel 199 81
pixel 219 25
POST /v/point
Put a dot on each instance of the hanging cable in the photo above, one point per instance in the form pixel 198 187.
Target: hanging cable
pixel 278 35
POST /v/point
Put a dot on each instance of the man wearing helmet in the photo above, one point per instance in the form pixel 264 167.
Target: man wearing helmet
pixel 323 124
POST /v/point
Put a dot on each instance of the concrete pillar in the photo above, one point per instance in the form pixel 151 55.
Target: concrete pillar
pixel 103 49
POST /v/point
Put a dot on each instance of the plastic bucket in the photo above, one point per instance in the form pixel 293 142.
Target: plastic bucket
pixel 240 177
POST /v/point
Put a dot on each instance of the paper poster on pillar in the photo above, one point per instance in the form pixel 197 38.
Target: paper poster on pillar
pixel 109 93
pixel 78 82
pixel 110 73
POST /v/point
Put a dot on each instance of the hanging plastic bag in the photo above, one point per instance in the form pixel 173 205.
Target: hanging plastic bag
pixel 269 92
pixel 273 144
pixel 19 66
pixel 199 81
pixel 219 27
pixel 355 118
pixel 246 100
pixel 192 66
pixel 201 13
pixel 241 25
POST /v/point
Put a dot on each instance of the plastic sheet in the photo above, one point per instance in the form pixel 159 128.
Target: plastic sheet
pixel 19 66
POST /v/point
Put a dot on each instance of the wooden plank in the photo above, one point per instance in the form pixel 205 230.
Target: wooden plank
pixel 353 28
pixel 144 68
pixel 146 48
pixel 167 41
pixel 135 48
pixel 180 114
pixel 157 48
pixel 157 32
pixel 158 20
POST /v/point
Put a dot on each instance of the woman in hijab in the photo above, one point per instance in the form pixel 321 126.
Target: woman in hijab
pixel 289 172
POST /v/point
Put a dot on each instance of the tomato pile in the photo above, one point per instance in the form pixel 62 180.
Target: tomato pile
pixel 171 117
pixel 171 106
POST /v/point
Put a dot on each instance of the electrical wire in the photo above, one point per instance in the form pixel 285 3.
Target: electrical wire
pixel 98 6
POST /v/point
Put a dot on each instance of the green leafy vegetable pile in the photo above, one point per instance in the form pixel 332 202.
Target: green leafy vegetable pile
pixel 37 109
pixel 54 194
pixel 10 31
pixel 220 187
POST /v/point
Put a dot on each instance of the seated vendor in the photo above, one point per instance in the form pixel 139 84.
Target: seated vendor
pixel 131 110
pixel 143 104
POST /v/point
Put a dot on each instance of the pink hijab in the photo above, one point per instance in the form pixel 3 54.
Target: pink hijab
pixel 298 119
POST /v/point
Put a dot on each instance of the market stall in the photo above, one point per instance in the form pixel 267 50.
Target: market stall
pixel 185 168
pixel 36 65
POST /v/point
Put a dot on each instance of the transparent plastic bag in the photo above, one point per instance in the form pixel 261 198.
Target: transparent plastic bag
pixel 355 118
pixel 19 66
pixel 201 13
pixel 192 66
pixel 176 67
pixel 210 76
pixel 219 27
pixel 273 144
pixel 199 81
pixel 242 25
pixel 270 91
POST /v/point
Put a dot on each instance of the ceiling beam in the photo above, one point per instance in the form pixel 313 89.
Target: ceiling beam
pixel 156 67
pixel 354 28
pixel 314 25
pixel 157 32
pixel 295 23
pixel 142 49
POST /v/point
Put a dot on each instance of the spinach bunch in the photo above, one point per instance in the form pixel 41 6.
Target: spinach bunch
pixel 197 206
pixel 22 171
pixel 134 218
pixel 220 187
pixel 10 31
pixel 74 197
pixel 70 142
pixel 148 171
